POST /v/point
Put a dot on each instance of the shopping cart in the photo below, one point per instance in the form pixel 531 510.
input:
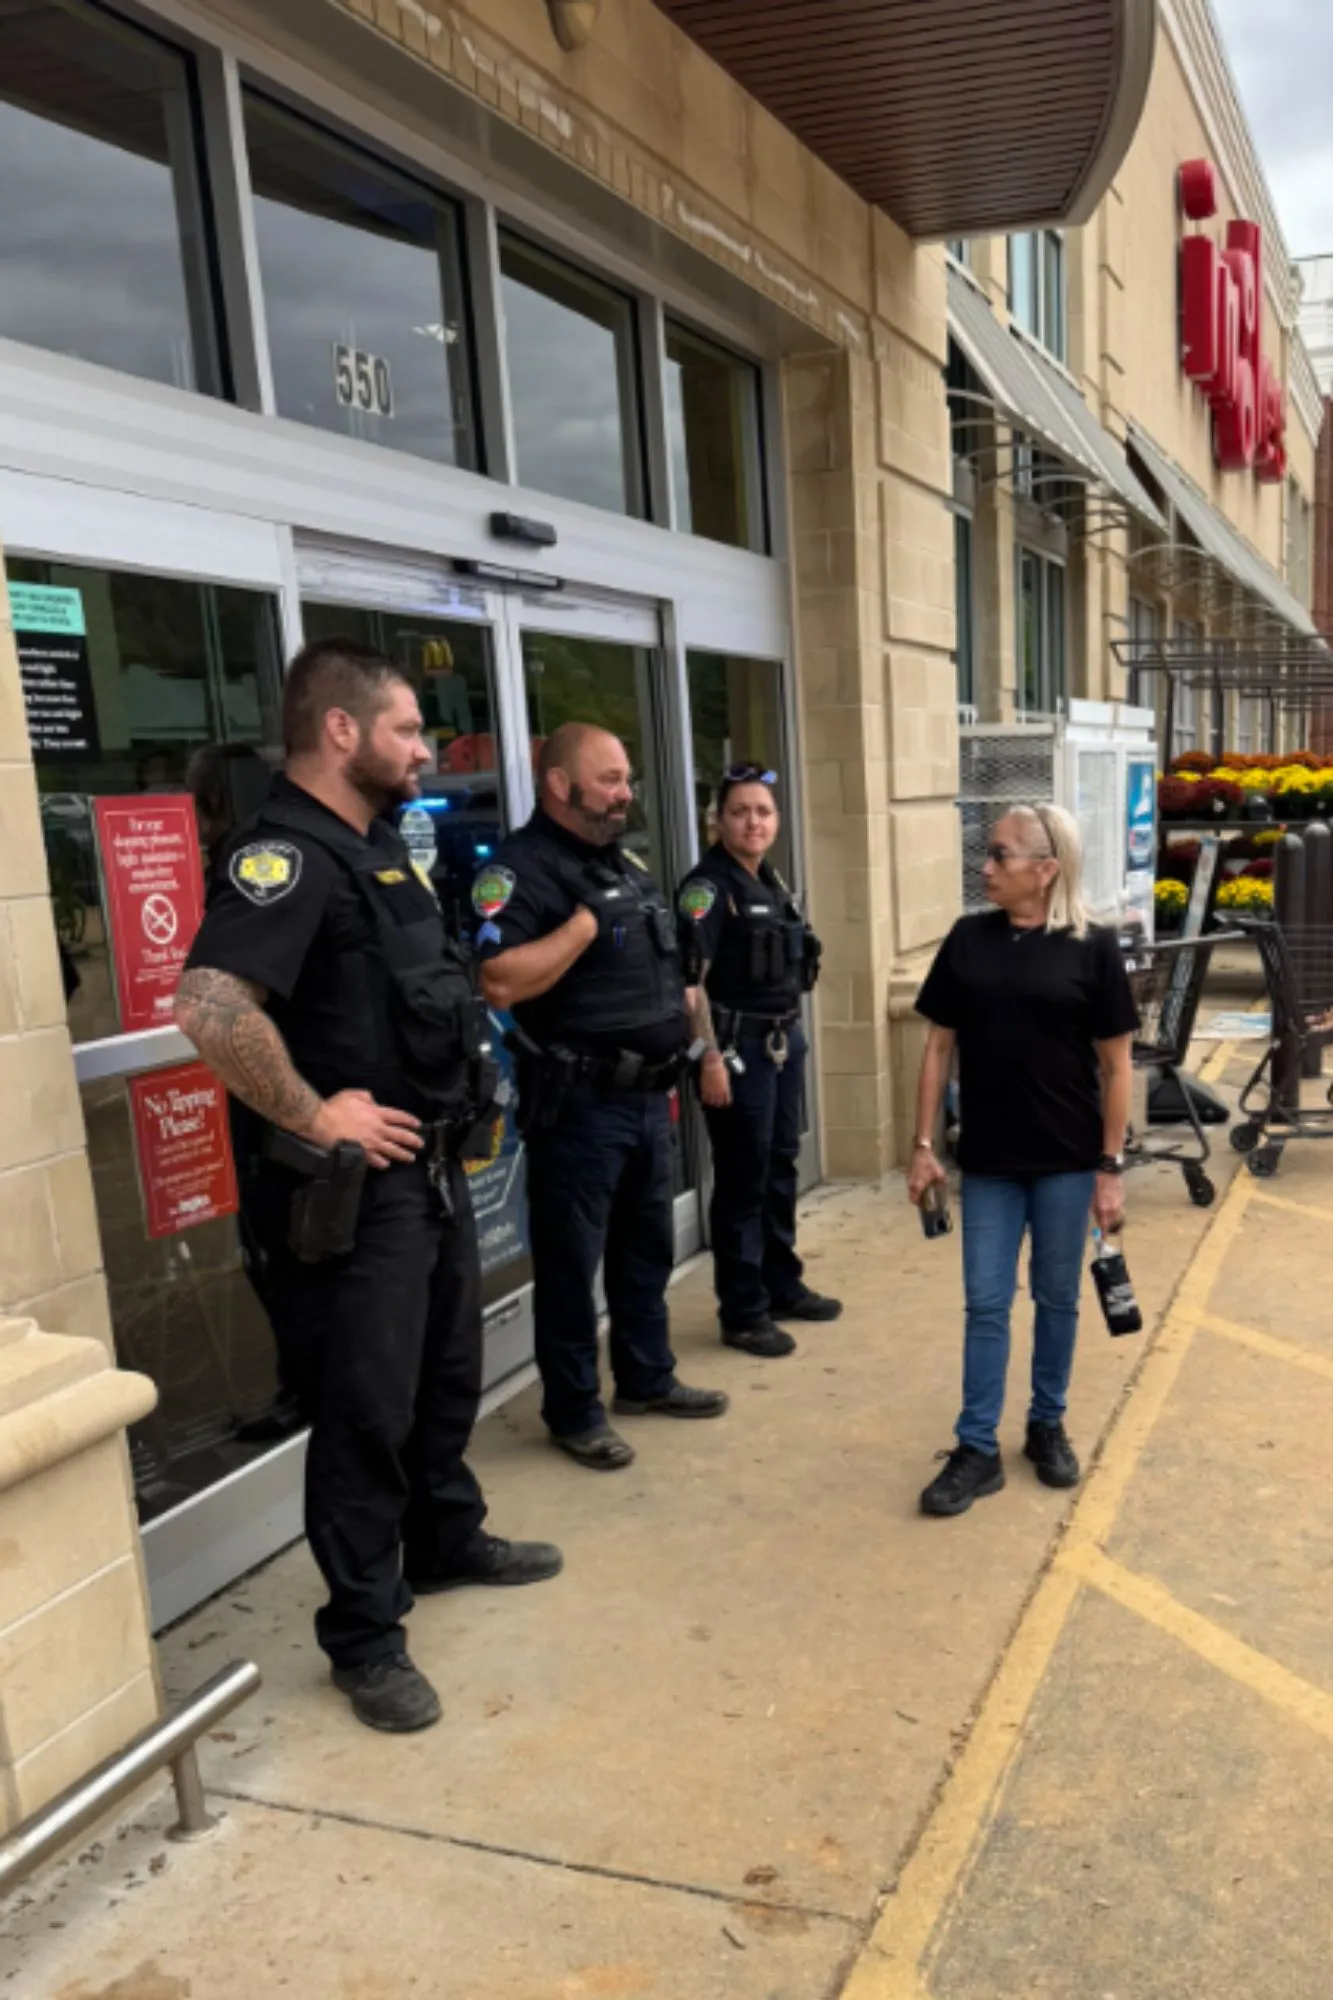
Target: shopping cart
pixel 1298 970
pixel 1167 981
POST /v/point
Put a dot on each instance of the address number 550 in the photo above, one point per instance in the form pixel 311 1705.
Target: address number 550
pixel 362 381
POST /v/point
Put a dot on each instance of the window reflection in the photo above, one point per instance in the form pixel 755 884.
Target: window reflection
pixel 713 425
pixel 154 669
pixel 736 718
pixel 187 1317
pixel 100 231
pixel 570 353
pixel 363 292
pixel 449 663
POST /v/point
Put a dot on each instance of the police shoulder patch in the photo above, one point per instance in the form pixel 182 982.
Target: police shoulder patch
pixel 266 870
pixel 492 889
pixel 697 899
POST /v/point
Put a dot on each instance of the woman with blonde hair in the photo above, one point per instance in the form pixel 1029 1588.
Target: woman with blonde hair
pixel 1035 1001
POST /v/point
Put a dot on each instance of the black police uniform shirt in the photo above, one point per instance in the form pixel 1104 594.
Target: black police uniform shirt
pixel 728 914
pixel 284 912
pixel 627 990
pixel 1028 1006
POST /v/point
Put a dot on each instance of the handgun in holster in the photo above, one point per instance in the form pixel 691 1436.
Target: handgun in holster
pixel 326 1207
pixel 545 1079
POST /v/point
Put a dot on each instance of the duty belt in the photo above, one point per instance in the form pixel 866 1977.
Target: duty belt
pixel 730 1023
pixel 622 1069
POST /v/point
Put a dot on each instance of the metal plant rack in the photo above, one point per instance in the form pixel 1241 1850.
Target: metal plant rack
pixel 1291 672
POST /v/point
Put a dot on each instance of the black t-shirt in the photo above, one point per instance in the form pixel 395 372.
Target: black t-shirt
pixel 624 992
pixel 1028 1006
pixel 283 912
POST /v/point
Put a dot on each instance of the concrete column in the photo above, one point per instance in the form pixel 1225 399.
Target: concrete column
pixel 76 1671
pixel 868 457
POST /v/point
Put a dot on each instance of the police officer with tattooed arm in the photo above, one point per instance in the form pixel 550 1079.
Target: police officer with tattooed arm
pixel 323 989
pixel 580 944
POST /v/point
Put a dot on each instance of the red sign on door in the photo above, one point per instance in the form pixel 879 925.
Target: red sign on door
pixel 155 900
pixel 185 1163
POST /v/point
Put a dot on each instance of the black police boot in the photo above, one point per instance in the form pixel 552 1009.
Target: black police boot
pixel 761 1337
pixel 1052 1454
pixel 808 1305
pixel 389 1694
pixel 490 1559
pixel 678 1401
pixel 601 1449
pixel 968 1475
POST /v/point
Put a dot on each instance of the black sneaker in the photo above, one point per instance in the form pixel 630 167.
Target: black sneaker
pixel 810 1306
pixel 389 1694
pixel 678 1401
pixel 1052 1454
pixel 492 1560
pixel 762 1338
pixel 968 1475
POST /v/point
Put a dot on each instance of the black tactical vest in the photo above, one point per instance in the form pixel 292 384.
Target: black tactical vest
pixel 761 965
pixel 413 990
pixel 629 980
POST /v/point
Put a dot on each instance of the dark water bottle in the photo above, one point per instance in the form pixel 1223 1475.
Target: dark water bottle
pixel 1114 1288
pixel 935 1217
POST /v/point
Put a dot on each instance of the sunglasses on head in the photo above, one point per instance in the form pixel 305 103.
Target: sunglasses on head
pixel 749 774
pixel 999 853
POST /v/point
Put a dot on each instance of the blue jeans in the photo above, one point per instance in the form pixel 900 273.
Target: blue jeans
pixel 997 1214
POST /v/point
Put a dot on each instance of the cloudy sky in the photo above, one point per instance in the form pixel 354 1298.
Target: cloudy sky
pixel 1282 54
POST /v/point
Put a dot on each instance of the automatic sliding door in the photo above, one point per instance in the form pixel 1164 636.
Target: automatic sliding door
pixel 451 832
pixel 570 678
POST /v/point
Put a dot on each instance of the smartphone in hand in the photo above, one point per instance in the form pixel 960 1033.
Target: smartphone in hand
pixel 935 1217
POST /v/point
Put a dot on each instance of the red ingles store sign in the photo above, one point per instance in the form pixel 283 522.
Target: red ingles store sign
pixel 1222 334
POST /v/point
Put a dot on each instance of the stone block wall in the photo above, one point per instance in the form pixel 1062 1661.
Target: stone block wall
pixel 76 1668
pixel 644 111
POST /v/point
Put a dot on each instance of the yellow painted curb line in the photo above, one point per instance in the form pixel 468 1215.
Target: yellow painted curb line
pixel 894 1962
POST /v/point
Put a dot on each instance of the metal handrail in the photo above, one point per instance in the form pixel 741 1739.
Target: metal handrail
pixel 171 1741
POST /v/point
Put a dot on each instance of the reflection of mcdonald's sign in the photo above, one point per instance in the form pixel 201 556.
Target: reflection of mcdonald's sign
pixel 437 656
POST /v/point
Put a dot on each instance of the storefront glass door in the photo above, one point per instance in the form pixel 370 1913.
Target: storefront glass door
pixel 158 696
pixel 738 715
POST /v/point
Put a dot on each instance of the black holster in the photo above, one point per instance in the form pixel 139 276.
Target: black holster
pixel 545 1079
pixel 327 1205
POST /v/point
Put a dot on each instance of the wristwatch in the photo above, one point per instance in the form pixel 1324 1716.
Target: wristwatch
pixel 1111 1163
pixel 923 1145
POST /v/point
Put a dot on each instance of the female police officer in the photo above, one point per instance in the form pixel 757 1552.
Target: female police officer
pixel 746 941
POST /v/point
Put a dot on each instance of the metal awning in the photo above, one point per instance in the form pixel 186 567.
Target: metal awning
pixel 1218 540
pixel 957 117
pixel 1039 398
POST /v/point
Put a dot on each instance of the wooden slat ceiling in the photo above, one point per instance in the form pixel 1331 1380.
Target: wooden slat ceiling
pixel 957 117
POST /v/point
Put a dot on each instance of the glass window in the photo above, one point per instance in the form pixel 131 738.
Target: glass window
pixel 1037 287
pixel 571 357
pixel 101 233
pixel 363 292
pixel 1041 634
pixel 964 644
pixel 713 424
pixel 155 680
pixel 1024 293
pixel 1145 627
pixel 449 663
pixel 736 718
pixel 185 1315
pixel 1188 708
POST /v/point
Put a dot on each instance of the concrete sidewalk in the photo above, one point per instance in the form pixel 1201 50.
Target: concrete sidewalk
pixel 694 1764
